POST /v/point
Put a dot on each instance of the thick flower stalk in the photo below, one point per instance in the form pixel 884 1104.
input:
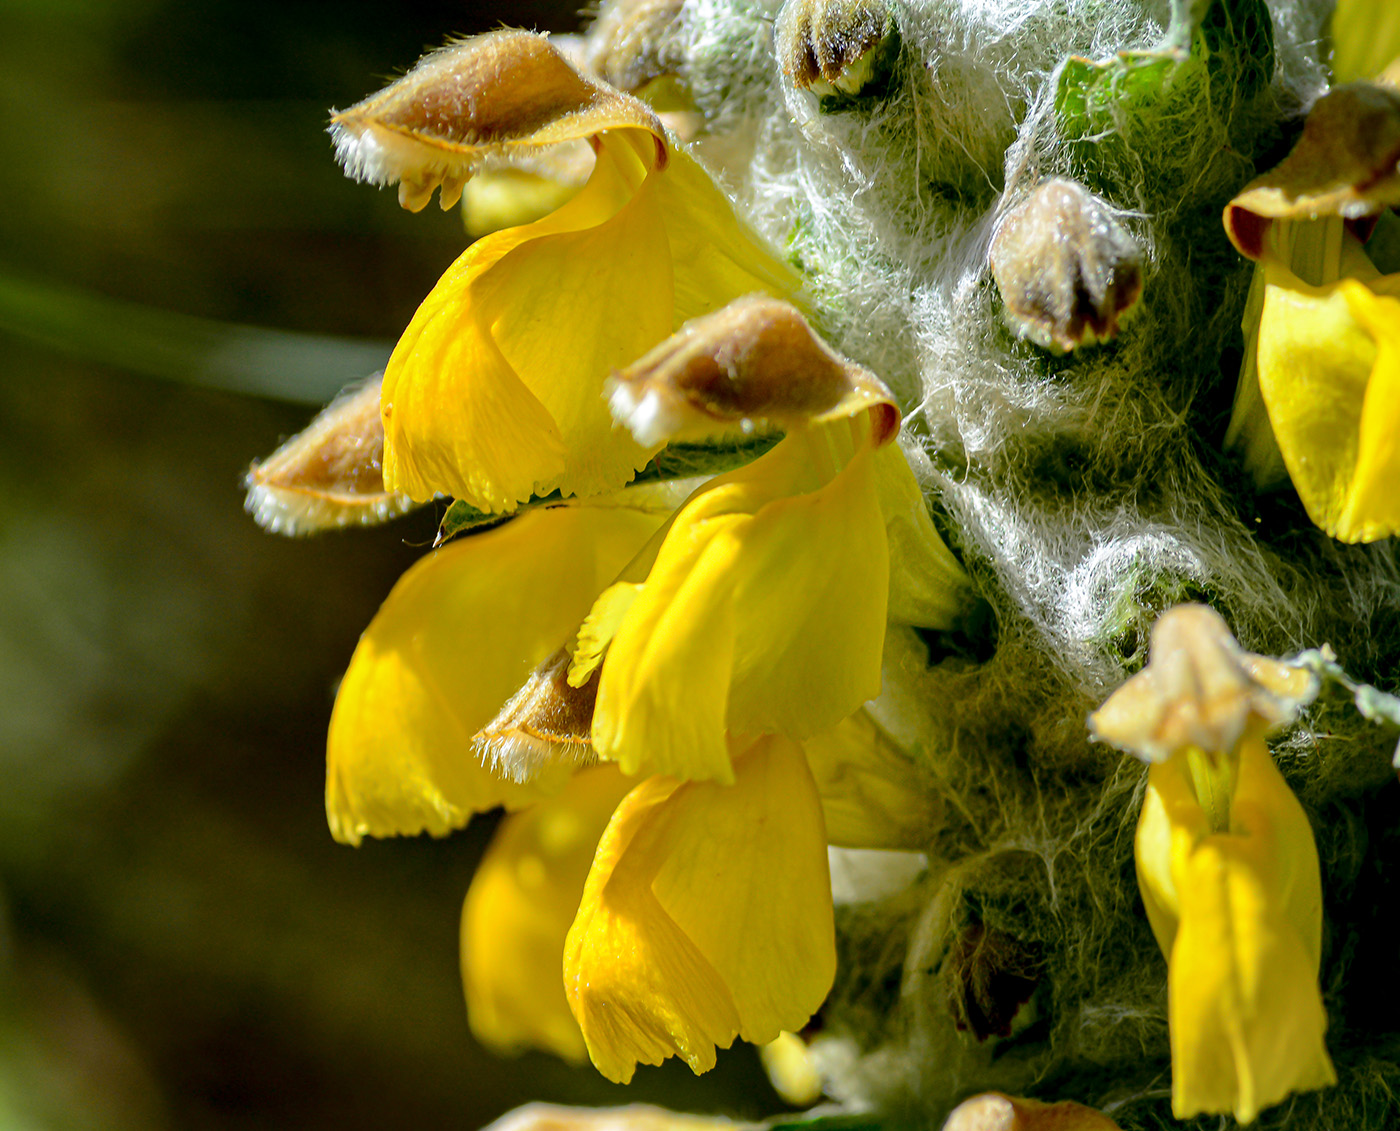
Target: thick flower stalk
pixel 779 765
pixel 1227 867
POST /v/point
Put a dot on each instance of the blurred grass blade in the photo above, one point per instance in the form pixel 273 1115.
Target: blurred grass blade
pixel 306 368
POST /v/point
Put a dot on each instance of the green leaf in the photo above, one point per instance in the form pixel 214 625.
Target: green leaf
pixel 1174 107
pixel 677 461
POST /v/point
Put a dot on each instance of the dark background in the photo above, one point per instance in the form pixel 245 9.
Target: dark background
pixel 181 943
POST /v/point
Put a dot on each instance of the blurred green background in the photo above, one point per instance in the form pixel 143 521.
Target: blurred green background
pixel 181 943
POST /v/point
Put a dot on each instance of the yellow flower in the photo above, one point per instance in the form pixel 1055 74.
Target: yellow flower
pixel 1227 867
pixel 707 915
pixel 494 391
pixel 1229 875
pixel 1319 397
pixel 458 634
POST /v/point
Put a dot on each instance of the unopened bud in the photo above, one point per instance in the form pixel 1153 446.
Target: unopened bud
pixel 1200 689
pixel 1068 271
pixel 836 46
pixel 330 474
pixel 755 364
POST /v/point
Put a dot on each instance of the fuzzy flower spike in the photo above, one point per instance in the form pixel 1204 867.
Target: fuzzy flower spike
pixel 1226 865
pixel 1319 394
pixel 493 393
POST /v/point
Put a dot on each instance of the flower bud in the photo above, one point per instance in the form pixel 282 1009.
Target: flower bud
pixel 836 46
pixel 329 474
pixel 1067 270
pixel 754 364
pixel 632 42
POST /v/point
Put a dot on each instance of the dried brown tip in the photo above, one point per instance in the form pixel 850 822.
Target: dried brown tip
pixel 1199 689
pixel 546 723
pixel 633 42
pixel 330 474
pixel 753 365
pixel 826 42
pixel 993 1111
pixel 486 96
pixel 1067 270
pixel 1346 163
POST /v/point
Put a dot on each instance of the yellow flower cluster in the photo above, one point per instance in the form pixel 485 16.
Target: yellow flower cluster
pixel 666 688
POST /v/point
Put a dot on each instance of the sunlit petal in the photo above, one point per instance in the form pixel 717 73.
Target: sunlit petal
pixel 459 633
pixel 518 910
pixel 707 916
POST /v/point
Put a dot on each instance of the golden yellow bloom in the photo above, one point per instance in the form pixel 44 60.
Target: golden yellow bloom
pixel 1229 874
pixel 458 634
pixel 707 916
pixel 494 391
pixel 1319 396
pixel 1227 867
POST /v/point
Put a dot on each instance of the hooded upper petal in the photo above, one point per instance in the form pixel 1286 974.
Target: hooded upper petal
pixel 459 633
pixel 707 915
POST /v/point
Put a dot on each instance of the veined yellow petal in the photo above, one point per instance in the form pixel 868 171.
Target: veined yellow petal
pixel 518 910
pixel 1372 507
pixel 459 633
pixel 764 612
pixel 717 258
pixel 1320 351
pixel 568 309
pixel 511 335
pixel 1246 1016
pixel 707 916
pixel 872 795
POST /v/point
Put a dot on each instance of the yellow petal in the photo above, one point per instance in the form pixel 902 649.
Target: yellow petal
pixel 764 612
pixel 872 795
pixel 928 587
pixel 459 633
pixel 1246 1016
pixel 717 258
pixel 1321 352
pixel 1365 38
pixel 494 392
pixel 1238 912
pixel 1372 507
pixel 707 916
pixel 517 913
